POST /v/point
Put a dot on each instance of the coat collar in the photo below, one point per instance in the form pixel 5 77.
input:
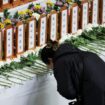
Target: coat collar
pixel 65 49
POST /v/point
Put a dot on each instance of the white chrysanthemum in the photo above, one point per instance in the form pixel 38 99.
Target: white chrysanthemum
pixel 36 15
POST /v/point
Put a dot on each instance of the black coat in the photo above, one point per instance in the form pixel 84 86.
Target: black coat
pixel 78 72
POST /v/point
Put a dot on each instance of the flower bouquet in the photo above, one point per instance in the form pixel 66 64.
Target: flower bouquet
pixel 50 6
pixel 38 9
pixel 58 5
pixel 90 40
pixel 16 73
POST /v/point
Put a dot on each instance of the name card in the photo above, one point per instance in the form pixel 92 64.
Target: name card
pixel 85 14
pixel 8 42
pixel 63 22
pixel 74 18
pixel 20 38
pixel 53 25
pixel 103 12
pixel 95 12
pixel 31 36
pixel 1 45
pixel 42 30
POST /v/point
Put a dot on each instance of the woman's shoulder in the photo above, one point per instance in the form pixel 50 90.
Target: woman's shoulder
pixel 90 57
pixel 86 54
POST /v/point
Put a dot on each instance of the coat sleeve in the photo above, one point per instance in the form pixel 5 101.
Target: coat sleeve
pixel 64 82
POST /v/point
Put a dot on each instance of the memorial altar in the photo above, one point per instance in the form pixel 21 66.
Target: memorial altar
pixel 25 27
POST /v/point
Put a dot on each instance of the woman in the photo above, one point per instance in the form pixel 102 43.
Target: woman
pixel 79 74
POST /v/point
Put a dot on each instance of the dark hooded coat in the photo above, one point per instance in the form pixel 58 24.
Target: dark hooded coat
pixel 80 73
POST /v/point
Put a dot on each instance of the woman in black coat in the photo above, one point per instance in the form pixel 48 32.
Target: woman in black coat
pixel 79 74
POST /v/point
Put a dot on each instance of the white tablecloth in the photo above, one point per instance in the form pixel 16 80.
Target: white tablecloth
pixel 40 90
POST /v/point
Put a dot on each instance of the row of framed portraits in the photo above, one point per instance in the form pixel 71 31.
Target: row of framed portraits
pixel 12 3
pixel 14 41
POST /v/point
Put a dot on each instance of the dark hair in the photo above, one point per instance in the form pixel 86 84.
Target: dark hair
pixel 48 51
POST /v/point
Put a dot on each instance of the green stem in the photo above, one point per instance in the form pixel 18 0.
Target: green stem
pixel 5 82
pixel 4 85
pixel 24 75
pixel 41 64
pixel 8 76
pixel 20 76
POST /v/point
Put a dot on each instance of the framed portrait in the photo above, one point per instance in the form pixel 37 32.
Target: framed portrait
pixel 42 30
pixel 95 12
pixel 8 42
pixel 84 18
pixel 53 25
pixel 63 22
pixel 20 38
pixel 31 34
pixel 74 18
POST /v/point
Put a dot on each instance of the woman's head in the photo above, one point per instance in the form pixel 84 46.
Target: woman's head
pixel 47 53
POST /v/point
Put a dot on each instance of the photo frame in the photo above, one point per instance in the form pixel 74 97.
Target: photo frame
pixel 8 42
pixel 5 4
pixel 95 12
pixel 53 25
pixel 42 30
pixel 84 14
pixel 63 22
pixel 20 38
pixel 74 17
pixel 31 34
